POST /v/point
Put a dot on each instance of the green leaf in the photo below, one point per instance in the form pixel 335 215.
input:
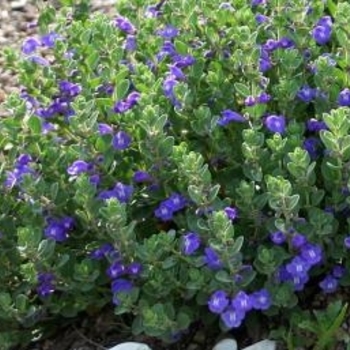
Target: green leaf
pixel 223 276
pixel 46 248
pixel 213 193
pixel 291 202
pixel 242 89
pixel 169 262
pixel 195 194
pixel 5 300
pixel 181 47
pixel 21 302
pixel 54 191
pixel 34 124
pixel 329 140
pixel 137 325
pixel 92 60
pixel 166 146
pixel 121 89
pixel 237 246
pixel 327 336
pixel 183 320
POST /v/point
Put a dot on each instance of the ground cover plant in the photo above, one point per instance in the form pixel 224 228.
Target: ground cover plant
pixel 185 161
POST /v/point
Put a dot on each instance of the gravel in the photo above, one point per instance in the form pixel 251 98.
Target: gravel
pixel 15 17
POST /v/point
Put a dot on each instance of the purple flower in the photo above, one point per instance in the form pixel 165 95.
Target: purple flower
pixel 168 32
pixel 172 204
pixel 116 270
pixel 347 242
pixel 56 231
pixel 44 290
pixel 134 269
pixel 121 140
pixel 183 61
pixel 106 88
pixel 45 277
pixel 168 86
pixel 16 176
pixel 168 48
pixel 124 25
pixel 142 176
pixel 130 43
pixel 163 212
pixel 231 213
pixel 312 145
pixel 133 98
pixel 39 60
pixel 311 253
pixel 338 271
pixel 104 129
pixel 24 159
pixel 190 243
pixel 218 302
pixel 306 94
pixel 102 251
pixel 325 21
pixel 276 123
pixel 176 202
pixel 78 167
pixel 298 240
pixel 344 98
pixel 45 281
pixel 265 64
pixel 67 222
pixel 176 72
pixel 299 281
pixel 261 300
pixel 298 267
pixel 250 101
pixel 69 89
pixel 286 43
pixel 270 45
pixel 261 18
pixel 212 259
pixel 47 127
pixel 121 107
pixel 69 54
pixel 123 192
pixel 242 302
pixel 30 45
pixel 263 98
pixel 232 318
pixel 278 237
pixel 282 275
pixel 228 116
pixel 49 39
pixel 152 12
pixel 315 125
pixel 226 6
pixel 121 285
pixel 258 2
pixel 322 34
pixel 329 284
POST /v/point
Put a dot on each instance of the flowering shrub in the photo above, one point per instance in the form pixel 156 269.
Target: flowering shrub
pixel 184 161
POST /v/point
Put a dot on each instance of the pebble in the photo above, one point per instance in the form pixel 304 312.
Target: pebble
pixel 226 344
pixel 131 346
pixel 262 345
pixel 18 4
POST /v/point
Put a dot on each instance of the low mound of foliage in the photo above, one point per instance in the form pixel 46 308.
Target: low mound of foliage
pixel 184 161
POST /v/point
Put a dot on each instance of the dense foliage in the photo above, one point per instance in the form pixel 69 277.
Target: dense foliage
pixel 184 161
